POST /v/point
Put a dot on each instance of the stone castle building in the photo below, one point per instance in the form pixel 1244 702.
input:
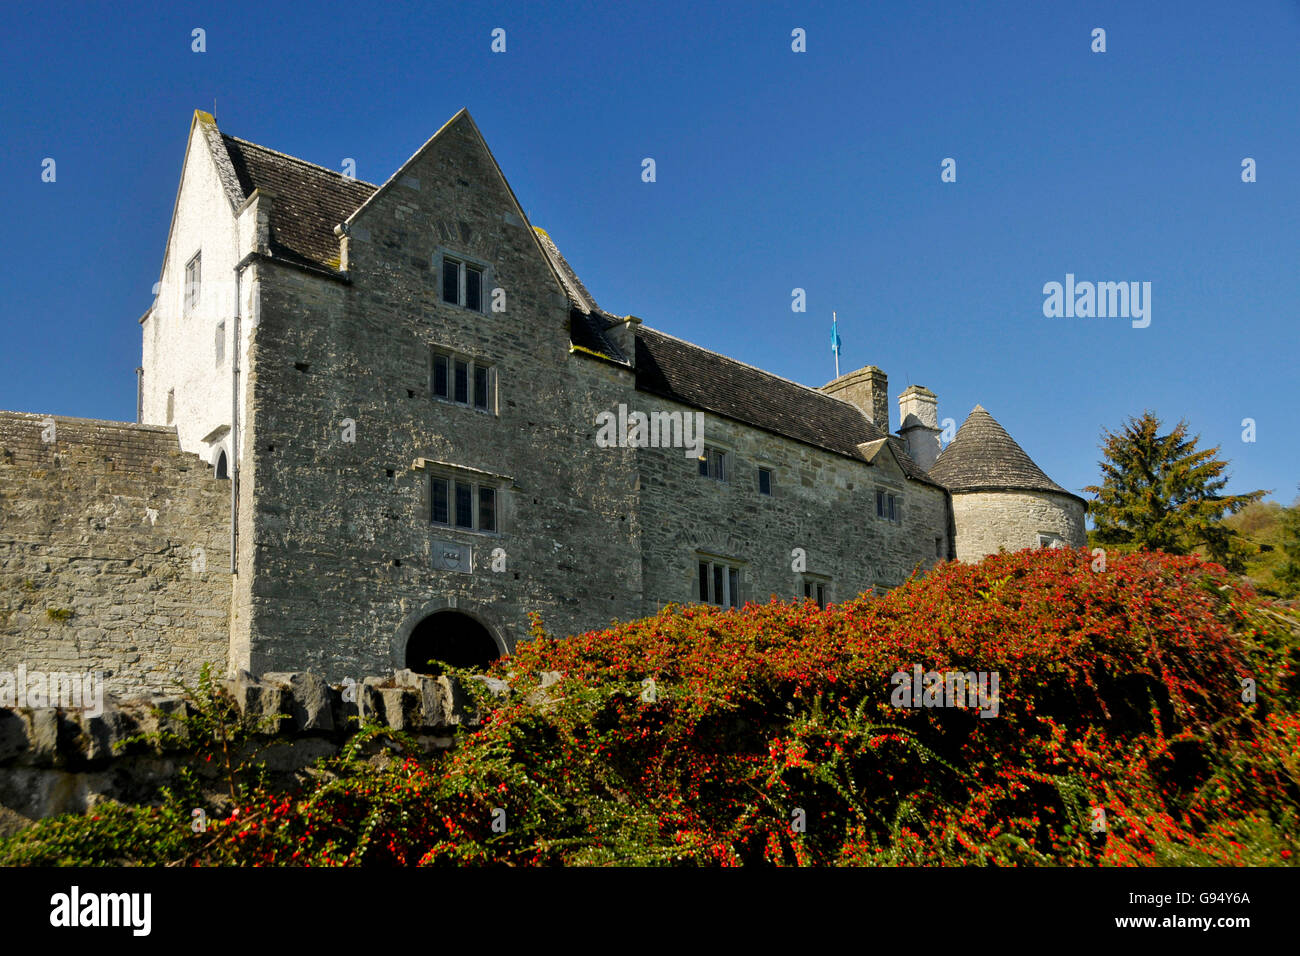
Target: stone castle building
pixel 370 433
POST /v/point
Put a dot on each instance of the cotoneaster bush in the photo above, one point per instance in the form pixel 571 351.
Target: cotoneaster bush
pixel 704 737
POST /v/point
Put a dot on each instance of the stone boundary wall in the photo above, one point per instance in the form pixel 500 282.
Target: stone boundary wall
pixel 114 553
pixel 56 760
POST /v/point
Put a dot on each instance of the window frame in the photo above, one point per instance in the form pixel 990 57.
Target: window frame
pixel 193 287
pixel 707 460
pixel 464 266
pixel 710 572
pixel 452 361
pixel 452 482
pixel 817 588
pixel 889 506
pixel 771 484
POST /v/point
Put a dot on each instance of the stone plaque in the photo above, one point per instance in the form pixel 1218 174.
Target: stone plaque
pixel 450 556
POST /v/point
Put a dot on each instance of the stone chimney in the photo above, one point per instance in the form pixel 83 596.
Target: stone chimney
pixel 918 413
pixel 868 389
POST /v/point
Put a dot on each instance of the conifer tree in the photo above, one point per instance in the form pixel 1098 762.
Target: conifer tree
pixel 1159 493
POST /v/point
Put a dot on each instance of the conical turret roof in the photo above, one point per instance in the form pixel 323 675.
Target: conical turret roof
pixel 983 457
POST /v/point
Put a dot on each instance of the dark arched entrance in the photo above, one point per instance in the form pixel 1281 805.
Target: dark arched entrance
pixel 453 638
pixel 222 470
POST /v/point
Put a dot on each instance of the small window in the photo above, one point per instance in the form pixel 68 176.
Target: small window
pixel 815 590
pixel 1049 540
pixel 440 375
pixel 451 281
pixel 474 288
pixel 889 507
pixel 462 383
pixel 713 464
pixel 764 481
pixel 462 283
pixel 880 504
pixel 456 502
pixel 220 344
pixel 193 282
pixel 464 505
pixel 938 547
pixel 719 583
pixel 480 387
pixel 438 509
pixel 223 470
pixel 462 380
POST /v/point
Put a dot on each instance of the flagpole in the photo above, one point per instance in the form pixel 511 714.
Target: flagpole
pixel 835 325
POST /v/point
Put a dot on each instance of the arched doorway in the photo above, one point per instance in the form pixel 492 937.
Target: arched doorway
pixel 222 469
pixel 453 638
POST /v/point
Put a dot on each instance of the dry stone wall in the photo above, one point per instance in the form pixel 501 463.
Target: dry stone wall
pixel 59 760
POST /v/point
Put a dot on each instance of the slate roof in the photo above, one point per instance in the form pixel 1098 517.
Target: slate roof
pixel 695 376
pixel 983 457
pixel 307 201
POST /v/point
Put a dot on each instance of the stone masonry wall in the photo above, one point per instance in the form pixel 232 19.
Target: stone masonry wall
pixel 98 564
pixel 820 502
pixel 344 555
pixel 990 520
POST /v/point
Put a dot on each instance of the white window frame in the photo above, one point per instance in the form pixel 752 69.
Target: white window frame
pixel 1053 540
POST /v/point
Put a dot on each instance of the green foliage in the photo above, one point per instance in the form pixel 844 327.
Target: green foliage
pixel 1288 574
pixel 1119 690
pixel 1159 493
pixel 58 614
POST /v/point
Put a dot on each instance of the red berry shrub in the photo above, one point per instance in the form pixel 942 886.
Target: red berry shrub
pixel 768 735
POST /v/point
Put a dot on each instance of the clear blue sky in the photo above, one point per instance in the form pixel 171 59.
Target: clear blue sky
pixel 775 170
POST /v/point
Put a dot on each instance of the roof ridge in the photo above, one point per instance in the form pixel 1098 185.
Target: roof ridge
pixel 298 159
pixel 762 371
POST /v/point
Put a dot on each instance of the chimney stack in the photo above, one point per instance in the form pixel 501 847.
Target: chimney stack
pixel 918 413
pixel 868 389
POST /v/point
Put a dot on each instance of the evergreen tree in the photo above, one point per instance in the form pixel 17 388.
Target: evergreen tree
pixel 1159 493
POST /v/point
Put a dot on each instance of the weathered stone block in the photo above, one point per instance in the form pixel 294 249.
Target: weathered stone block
pixel 310 703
